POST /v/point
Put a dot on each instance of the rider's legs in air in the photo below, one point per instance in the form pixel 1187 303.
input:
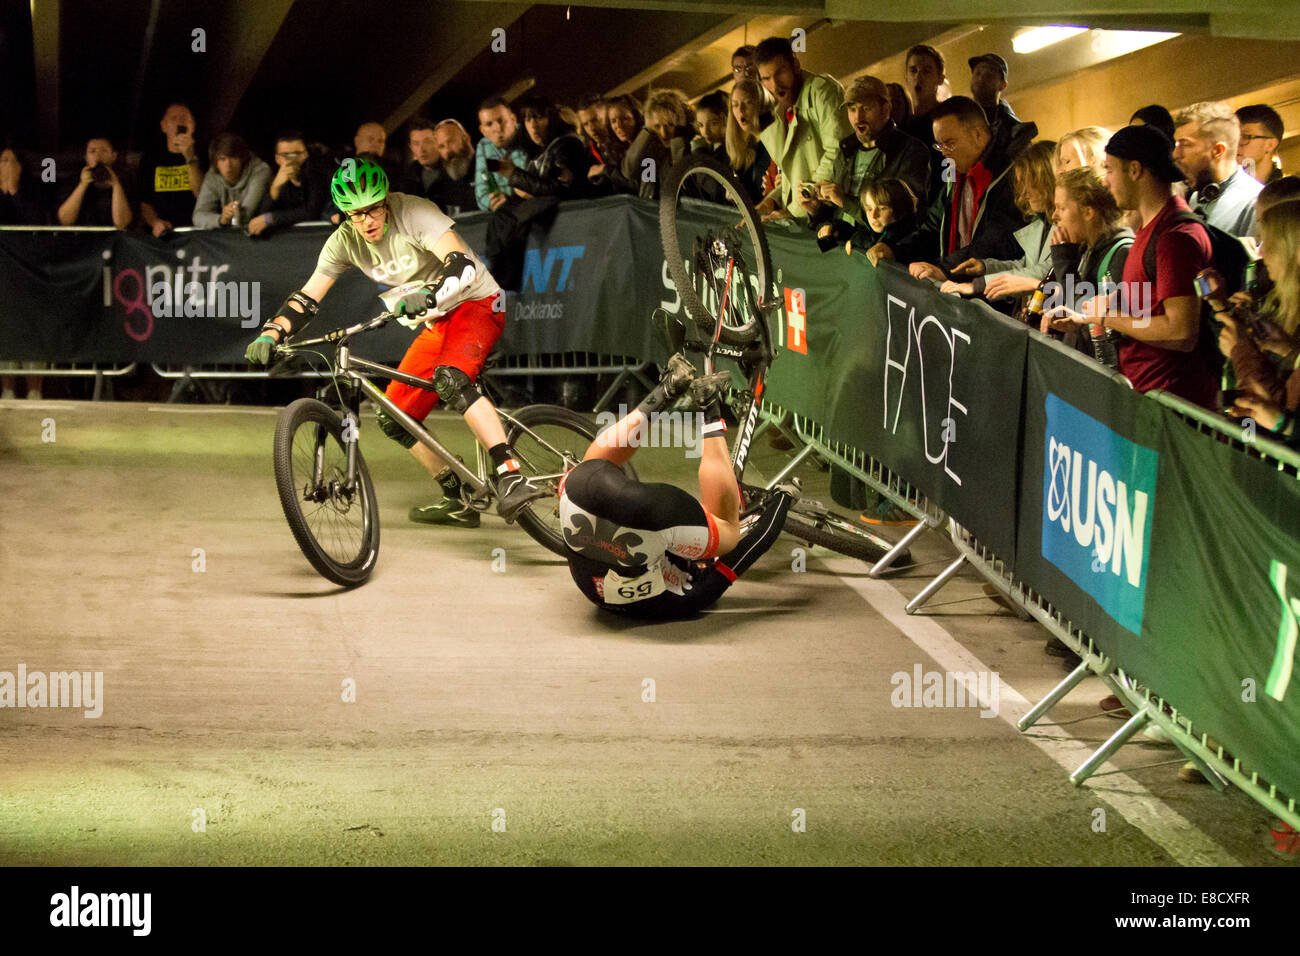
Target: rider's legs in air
pixel 719 493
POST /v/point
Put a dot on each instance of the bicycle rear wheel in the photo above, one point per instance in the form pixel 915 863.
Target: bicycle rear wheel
pixel 715 249
pixel 551 441
pixel 336 527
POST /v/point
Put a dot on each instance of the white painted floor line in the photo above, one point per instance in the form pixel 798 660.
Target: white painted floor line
pixel 1163 826
pixel 213 410
pixel 18 404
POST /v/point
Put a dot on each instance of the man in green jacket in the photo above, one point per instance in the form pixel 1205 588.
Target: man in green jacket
pixel 807 125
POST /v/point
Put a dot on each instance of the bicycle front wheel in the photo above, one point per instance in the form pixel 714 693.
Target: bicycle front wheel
pixel 335 524
pixel 826 528
pixel 549 441
pixel 715 249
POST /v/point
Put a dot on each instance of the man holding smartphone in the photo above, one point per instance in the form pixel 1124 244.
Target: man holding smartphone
pixel 99 198
pixel 171 175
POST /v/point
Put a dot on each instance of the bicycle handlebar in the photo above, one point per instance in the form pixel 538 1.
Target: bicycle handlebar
pixel 337 335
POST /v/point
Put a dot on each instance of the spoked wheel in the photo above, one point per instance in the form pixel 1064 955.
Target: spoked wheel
pixel 814 523
pixel 715 249
pixel 336 526
pixel 551 441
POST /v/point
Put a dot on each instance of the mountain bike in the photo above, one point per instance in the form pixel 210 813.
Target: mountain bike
pixel 717 256
pixel 324 484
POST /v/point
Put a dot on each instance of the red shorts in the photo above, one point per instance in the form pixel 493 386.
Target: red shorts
pixel 461 340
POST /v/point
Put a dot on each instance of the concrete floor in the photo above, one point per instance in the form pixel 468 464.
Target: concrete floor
pixel 505 698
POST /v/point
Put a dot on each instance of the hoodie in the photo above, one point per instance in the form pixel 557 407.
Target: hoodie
pixel 249 190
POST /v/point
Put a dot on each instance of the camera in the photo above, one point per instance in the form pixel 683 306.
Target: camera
pixel 808 190
pixel 99 174
pixel 493 165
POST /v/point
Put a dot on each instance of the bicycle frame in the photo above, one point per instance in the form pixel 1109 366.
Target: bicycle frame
pixel 349 366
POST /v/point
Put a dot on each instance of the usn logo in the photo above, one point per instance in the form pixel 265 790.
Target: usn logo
pixel 1098 502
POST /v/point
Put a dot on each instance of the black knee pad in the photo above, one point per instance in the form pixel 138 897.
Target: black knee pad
pixel 455 389
pixel 393 429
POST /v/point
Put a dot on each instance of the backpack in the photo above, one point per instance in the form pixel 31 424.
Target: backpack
pixel 1230 257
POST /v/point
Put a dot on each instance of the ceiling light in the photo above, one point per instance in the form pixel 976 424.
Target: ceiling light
pixel 1035 38
pixel 1109 44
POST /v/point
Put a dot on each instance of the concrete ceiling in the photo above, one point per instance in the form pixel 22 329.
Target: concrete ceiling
pixel 326 65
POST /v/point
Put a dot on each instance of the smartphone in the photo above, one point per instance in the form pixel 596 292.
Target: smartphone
pixel 1204 288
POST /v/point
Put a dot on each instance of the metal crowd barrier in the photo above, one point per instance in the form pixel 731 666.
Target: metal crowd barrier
pixel 623 367
pixel 72 369
pixel 1146 706
pixel 875 474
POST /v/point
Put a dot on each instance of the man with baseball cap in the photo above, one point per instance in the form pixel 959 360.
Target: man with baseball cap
pixel 877 149
pixel 1158 315
pixel 988 78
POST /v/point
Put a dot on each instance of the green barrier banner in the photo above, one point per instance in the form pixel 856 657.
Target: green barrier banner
pixel 924 382
pixel 1224 598
pixel 1177 553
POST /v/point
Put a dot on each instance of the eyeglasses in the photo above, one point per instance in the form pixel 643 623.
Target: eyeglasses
pixel 361 215
pixel 946 147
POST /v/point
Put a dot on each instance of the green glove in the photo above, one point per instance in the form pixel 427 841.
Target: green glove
pixel 261 350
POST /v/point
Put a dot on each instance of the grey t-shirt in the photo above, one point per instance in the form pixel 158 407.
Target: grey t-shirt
pixel 405 254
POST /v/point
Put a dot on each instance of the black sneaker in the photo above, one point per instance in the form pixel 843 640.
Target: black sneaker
pixel 514 493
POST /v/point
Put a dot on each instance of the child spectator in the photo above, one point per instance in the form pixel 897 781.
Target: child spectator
pixel 889 210
pixel 711 126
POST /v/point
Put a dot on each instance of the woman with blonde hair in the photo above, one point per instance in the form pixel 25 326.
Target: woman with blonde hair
pixel 1035 184
pixel 1266 355
pixel 1083 147
pixel 665 139
pixel 745 120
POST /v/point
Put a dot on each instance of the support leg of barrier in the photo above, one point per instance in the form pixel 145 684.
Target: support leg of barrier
pixel 932 588
pixel 790 465
pixel 1107 750
pixel 1052 699
pixel 881 566
pixel 98 392
pixel 619 379
pixel 179 387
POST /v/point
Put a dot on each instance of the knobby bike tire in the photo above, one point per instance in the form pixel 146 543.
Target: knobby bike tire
pixel 541 518
pixel 668 210
pixel 308 412
pixel 840 535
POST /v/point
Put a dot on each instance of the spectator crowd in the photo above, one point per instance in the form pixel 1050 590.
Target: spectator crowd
pixel 1106 239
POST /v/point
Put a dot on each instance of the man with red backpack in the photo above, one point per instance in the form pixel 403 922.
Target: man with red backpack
pixel 1157 310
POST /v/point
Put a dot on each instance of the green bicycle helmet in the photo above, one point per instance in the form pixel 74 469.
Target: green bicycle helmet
pixel 358 183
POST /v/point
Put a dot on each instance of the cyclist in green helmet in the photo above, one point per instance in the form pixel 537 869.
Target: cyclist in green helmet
pixel 434 282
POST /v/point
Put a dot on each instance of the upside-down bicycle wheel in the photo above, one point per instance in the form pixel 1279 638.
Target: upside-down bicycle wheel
pixel 715 249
